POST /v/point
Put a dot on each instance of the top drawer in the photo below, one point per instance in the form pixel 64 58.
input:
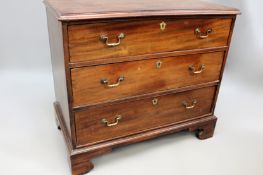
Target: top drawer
pixel 136 37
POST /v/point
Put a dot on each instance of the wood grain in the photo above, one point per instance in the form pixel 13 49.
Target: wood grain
pixel 58 66
pixel 224 62
pixel 141 115
pixel 144 37
pixel 142 77
pixel 88 9
pixel 80 60
pixel 80 158
pixel 81 163
pixel 146 57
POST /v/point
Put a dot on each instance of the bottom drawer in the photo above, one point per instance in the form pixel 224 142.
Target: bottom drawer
pixel 97 124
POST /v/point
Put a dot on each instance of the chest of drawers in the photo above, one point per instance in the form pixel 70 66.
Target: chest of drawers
pixel 127 71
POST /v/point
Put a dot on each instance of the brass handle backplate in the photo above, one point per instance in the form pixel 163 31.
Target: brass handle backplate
pixel 106 122
pixel 194 71
pixel 190 106
pixel 106 82
pixel 203 35
pixel 105 39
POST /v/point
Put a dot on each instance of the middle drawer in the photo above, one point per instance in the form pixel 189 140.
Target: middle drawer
pixel 103 83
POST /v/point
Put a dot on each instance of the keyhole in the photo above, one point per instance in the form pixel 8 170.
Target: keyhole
pixel 162 26
pixel 158 64
pixel 155 101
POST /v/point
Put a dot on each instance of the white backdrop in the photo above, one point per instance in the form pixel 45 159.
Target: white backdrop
pixel 24 44
pixel 30 143
pixel 246 54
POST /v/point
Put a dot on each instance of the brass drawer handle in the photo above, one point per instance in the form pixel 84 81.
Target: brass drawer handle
pixel 106 82
pixel 106 122
pixel 105 39
pixel 200 70
pixel 201 35
pixel 190 106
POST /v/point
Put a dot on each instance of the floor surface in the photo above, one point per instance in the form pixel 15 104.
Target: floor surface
pixel 30 144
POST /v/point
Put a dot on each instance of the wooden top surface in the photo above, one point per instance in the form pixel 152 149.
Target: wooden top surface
pixel 96 9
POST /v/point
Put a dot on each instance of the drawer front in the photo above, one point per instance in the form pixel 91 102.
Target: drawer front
pixel 89 41
pixel 91 85
pixel 99 124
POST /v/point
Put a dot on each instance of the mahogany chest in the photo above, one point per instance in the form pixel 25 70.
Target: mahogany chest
pixel 127 71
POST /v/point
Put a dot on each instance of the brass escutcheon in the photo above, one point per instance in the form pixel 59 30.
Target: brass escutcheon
pixel 162 26
pixel 155 101
pixel 159 64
